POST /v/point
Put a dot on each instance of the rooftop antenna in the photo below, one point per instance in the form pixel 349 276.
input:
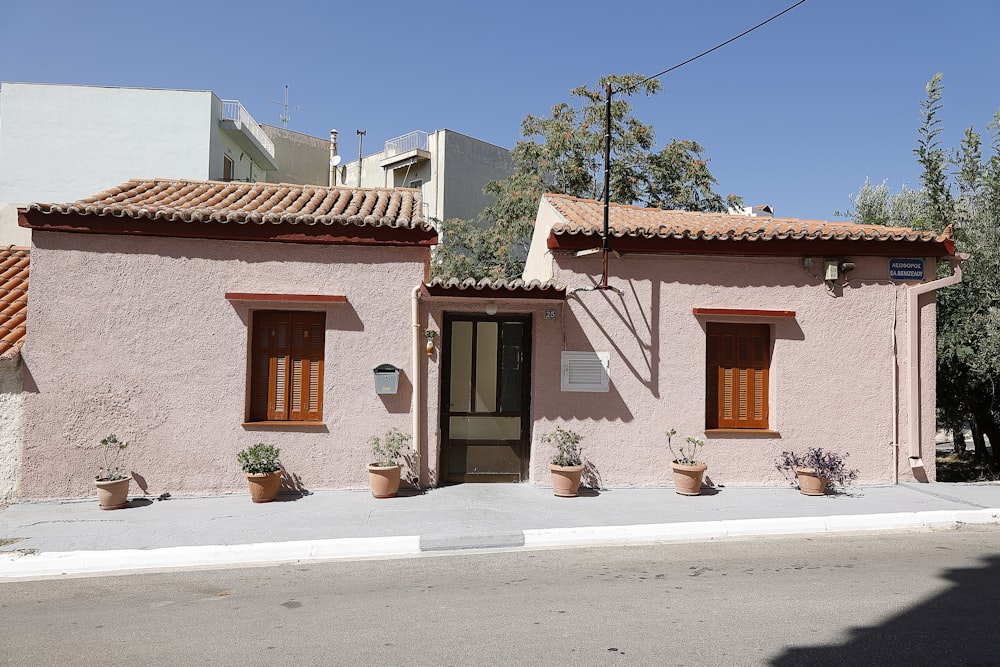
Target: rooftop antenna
pixel 284 117
pixel 361 141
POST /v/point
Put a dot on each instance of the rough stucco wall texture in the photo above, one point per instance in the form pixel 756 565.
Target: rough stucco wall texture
pixel 10 426
pixel 831 370
pixel 134 336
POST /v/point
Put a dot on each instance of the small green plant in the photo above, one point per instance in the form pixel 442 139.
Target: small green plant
pixel 828 465
pixel 567 444
pixel 112 459
pixel 389 449
pixel 689 454
pixel 259 459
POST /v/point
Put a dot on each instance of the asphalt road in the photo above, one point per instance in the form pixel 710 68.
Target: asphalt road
pixel 890 598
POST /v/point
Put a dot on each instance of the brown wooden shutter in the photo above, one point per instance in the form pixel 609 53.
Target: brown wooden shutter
pixel 306 389
pixel 287 366
pixel 737 368
pixel 271 348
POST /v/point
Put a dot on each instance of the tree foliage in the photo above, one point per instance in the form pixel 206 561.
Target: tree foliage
pixel 564 153
pixel 960 188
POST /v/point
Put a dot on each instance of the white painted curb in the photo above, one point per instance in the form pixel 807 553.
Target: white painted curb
pixel 708 530
pixel 15 565
pixel 18 566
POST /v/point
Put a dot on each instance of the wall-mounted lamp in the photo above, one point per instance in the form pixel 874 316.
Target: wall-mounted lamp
pixel 491 308
pixel 430 335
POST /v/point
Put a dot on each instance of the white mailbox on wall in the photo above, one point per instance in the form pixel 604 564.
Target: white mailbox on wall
pixel 386 379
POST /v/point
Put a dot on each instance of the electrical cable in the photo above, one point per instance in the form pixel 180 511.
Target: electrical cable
pixel 714 48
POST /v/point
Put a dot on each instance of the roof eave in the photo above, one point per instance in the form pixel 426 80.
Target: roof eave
pixel 774 247
pixel 331 234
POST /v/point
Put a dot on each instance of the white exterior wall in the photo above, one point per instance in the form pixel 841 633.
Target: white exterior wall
pixel 453 178
pixel 468 165
pixel 301 158
pixel 63 143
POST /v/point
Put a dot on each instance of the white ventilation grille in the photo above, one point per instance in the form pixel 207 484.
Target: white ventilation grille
pixel 585 371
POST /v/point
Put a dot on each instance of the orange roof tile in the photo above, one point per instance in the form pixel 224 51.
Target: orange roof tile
pixel 257 203
pixel 495 289
pixel 14 266
pixel 586 217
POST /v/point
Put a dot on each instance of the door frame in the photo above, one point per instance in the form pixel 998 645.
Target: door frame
pixel 444 409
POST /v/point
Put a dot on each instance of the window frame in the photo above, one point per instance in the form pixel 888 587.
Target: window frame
pixel 747 372
pixel 285 379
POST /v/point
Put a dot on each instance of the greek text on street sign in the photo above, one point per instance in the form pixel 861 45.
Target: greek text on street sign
pixel 906 268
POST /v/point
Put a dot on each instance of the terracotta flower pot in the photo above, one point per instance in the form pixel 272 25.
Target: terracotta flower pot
pixel 809 483
pixel 687 478
pixel 113 494
pixel 384 480
pixel 565 480
pixel 264 485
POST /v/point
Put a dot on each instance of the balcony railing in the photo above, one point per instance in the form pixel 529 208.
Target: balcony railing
pixel 414 141
pixel 233 110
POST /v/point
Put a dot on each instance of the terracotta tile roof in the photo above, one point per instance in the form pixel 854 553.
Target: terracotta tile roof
pixel 13 300
pixel 257 203
pixel 586 217
pixel 495 289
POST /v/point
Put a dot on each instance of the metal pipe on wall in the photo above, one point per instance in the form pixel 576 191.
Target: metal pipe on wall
pixel 913 341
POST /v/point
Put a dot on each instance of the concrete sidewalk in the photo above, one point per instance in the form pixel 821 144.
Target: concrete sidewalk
pixel 74 537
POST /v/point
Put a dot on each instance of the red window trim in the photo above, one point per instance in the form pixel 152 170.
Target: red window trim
pixel 297 298
pixel 743 312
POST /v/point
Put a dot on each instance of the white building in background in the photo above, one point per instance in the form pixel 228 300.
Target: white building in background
pixel 61 143
pixel 449 168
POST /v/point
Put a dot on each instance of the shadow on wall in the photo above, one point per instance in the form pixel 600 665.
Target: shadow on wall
pixel 950 628
pixel 642 323
pixel 607 406
pixel 591 477
pixel 399 403
pixel 339 316
pixel 291 487
pixel 224 250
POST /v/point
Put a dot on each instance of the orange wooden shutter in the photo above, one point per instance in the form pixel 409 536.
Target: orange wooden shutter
pixel 271 347
pixel 306 388
pixel 287 366
pixel 737 368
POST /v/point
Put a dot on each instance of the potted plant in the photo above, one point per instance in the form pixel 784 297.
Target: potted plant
pixel 566 464
pixel 816 471
pixel 263 471
pixel 112 477
pixel 688 470
pixel 384 472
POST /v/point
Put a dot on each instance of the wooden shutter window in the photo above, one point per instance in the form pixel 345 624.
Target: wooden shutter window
pixel 287 366
pixel 737 367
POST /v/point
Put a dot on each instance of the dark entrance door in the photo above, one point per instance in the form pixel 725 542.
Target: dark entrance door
pixel 485 397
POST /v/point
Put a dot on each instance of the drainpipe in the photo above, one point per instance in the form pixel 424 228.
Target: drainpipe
pixel 895 391
pixel 913 322
pixel 415 361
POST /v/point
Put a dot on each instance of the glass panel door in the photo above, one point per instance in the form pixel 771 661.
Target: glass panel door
pixel 484 398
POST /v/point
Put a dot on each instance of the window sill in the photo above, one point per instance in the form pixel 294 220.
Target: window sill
pixel 763 432
pixel 276 425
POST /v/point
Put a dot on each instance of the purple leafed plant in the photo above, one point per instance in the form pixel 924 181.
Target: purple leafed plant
pixel 828 465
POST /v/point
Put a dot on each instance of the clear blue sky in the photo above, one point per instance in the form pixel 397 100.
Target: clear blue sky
pixel 796 114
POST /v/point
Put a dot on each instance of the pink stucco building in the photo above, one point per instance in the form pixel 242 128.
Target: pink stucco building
pixel 193 318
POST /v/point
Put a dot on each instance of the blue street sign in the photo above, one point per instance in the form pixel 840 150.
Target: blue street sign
pixel 906 268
